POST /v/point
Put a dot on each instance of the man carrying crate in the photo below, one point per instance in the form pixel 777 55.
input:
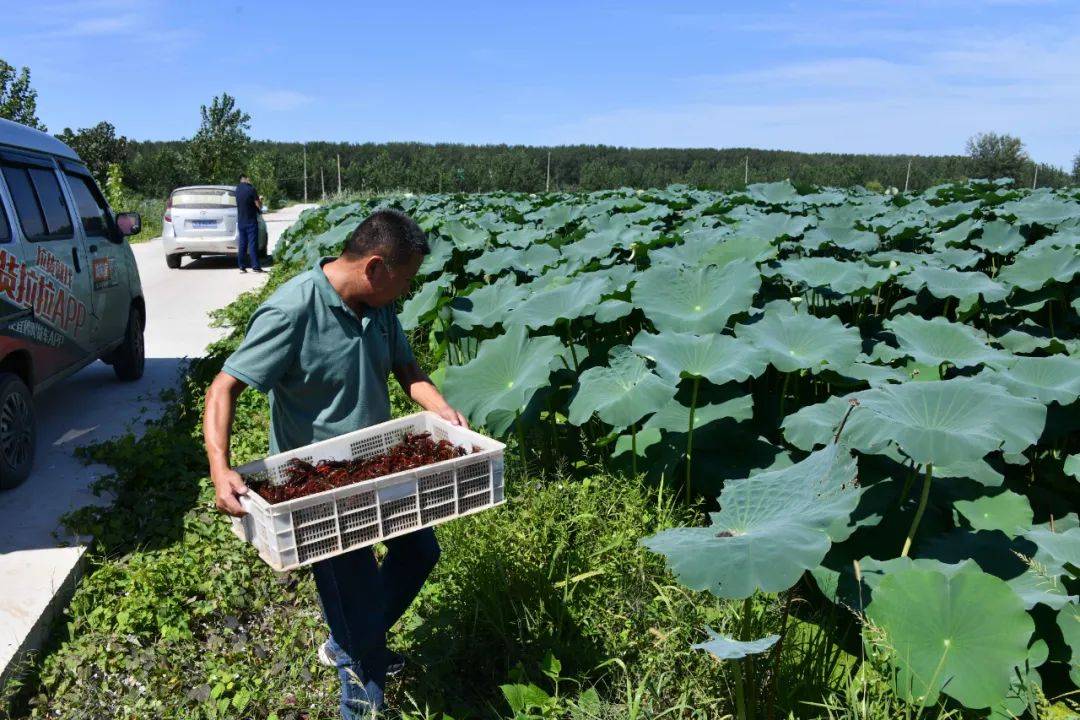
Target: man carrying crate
pixel 323 346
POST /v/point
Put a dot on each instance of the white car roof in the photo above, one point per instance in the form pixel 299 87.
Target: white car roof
pixel 21 136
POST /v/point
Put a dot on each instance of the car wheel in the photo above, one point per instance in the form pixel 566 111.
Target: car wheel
pixel 129 359
pixel 18 434
pixel 173 261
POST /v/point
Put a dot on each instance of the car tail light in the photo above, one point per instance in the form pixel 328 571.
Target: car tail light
pixel 168 210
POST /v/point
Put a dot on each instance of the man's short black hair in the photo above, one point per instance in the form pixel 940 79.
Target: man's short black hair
pixel 390 233
pixel 243 177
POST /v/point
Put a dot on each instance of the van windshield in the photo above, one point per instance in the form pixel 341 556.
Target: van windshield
pixel 204 198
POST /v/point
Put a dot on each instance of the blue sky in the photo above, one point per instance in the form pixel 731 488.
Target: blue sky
pixel 895 76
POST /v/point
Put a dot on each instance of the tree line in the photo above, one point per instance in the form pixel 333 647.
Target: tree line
pixel 221 148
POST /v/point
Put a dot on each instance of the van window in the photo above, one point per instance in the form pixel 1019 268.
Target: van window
pixel 39 203
pixel 57 217
pixel 5 229
pixel 93 211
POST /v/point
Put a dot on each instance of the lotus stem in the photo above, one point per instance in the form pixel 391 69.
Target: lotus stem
pixel 852 404
pixel 919 510
pixel 570 344
pixel 777 650
pixel 745 635
pixel 783 397
pixel 1050 316
pixel 521 438
pixel 948 300
pixel 690 436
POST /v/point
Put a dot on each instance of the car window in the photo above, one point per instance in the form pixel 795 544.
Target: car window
pixel 93 210
pixel 5 229
pixel 25 201
pixel 39 203
pixel 57 217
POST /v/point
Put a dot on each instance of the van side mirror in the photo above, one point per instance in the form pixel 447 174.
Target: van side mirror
pixel 129 223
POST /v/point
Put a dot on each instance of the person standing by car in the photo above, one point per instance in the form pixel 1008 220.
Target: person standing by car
pixel 323 346
pixel 247 224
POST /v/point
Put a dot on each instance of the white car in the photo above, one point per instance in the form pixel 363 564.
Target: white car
pixel 201 220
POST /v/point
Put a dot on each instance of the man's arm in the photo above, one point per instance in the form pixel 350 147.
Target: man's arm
pixel 217 427
pixel 417 385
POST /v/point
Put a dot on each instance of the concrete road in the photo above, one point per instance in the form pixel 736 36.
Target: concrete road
pixel 36 573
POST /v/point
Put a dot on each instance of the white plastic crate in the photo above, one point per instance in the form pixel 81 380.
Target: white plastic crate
pixel 299 532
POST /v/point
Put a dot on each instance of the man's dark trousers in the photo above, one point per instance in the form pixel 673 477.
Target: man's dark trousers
pixel 247 241
pixel 361 601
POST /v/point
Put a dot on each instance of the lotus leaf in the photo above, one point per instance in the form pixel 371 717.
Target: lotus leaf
pixel 417 308
pixel 957 234
pixel 737 247
pixel 772 226
pixel 839 276
pixel 620 394
pixel 770 529
pixel 793 341
pixel 698 300
pixel 576 298
pixel 442 252
pixel 1007 512
pixel 948 422
pixel 946 282
pixel 1000 238
pixel 725 648
pixel 718 358
pixel 1033 268
pixel 503 376
pixel 675 417
pixel 937 644
pixel 939 341
pixel 815 425
pixel 487 306
pixel 465 238
pixel 775 193
pixel 611 310
pixel 1047 379
pixel 522 237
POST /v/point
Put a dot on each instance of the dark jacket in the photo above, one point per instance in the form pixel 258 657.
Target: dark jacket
pixel 247 204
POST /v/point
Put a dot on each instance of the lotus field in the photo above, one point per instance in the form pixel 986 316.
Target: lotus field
pixel 874 395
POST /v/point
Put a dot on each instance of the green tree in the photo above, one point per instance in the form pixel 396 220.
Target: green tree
pixel 219 149
pixel 98 146
pixel 115 192
pixel 264 178
pixel 18 101
pixel 1076 168
pixel 996 156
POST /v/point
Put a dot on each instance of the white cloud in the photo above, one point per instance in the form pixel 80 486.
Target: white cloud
pixel 927 96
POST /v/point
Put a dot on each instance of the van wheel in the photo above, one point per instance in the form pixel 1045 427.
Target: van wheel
pixel 18 435
pixel 173 261
pixel 130 358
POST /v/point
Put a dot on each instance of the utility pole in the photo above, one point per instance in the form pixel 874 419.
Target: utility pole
pixel 547 183
pixel 339 173
pixel 907 178
pixel 746 170
pixel 1036 179
pixel 322 182
pixel 305 172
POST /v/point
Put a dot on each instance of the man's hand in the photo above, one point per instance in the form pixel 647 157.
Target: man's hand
pixel 228 487
pixel 452 416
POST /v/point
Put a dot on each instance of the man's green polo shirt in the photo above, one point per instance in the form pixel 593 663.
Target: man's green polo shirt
pixel 325 369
